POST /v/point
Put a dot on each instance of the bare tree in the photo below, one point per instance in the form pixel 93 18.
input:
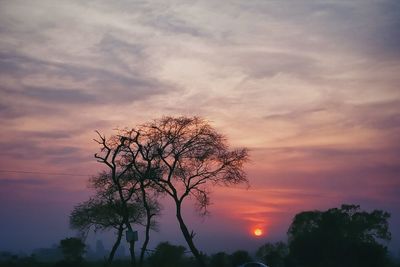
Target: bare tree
pixel 182 156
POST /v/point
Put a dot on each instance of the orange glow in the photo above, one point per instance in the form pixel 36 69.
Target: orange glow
pixel 258 232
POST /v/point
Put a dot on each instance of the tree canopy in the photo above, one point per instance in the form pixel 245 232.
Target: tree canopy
pixel 273 254
pixel 101 214
pixel 167 255
pixel 72 249
pixel 346 237
pixel 182 157
pixel 122 196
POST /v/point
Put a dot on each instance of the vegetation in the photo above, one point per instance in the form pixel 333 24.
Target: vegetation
pixel 178 157
pixel 181 157
pixel 346 237
pixel 167 255
pixel 104 211
pixel 273 253
pixel 239 257
pixel 121 186
pixel 73 249
pixel 338 237
pixel 220 259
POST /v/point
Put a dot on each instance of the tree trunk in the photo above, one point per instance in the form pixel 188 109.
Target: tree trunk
pixel 131 245
pixel 188 237
pixel 148 222
pixel 115 246
pixel 132 252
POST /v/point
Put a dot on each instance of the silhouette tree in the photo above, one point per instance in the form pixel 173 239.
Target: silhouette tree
pixel 239 257
pixel 346 237
pixel 220 259
pixel 182 156
pixel 100 216
pixel 124 182
pixel 273 254
pixel 104 212
pixel 72 249
pixel 167 255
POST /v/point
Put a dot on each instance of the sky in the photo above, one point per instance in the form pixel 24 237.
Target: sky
pixel 310 87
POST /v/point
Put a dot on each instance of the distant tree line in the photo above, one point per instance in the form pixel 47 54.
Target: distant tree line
pixel 338 237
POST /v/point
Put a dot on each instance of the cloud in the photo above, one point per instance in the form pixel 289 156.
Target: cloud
pixel 57 96
pixel 367 28
pixel 22 182
pixel 376 115
pixel 60 134
pixel 20 150
pixel 101 84
pixel 175 25
pixel 268 64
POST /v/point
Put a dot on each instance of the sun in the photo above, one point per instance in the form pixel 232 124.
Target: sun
pixel 258 232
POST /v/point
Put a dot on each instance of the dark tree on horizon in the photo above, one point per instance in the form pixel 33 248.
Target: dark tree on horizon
pixel 167 255
pixel 104 211
pixel 220 259
pixel 73 249
pixel 239 257
pixel 339 237
pixel 273 254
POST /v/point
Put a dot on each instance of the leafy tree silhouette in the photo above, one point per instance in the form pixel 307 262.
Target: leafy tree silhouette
pixel 73 249
pixel 239 257
pixel 104 212
pixel 345 237
pixel 273 254
pixel 167 255
pixel 220 259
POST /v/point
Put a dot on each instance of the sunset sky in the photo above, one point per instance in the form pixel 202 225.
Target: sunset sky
pixel 310 87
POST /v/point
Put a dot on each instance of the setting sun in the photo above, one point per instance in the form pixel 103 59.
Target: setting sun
pixel 258 232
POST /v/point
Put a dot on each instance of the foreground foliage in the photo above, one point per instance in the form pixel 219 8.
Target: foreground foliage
pixel 343 237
